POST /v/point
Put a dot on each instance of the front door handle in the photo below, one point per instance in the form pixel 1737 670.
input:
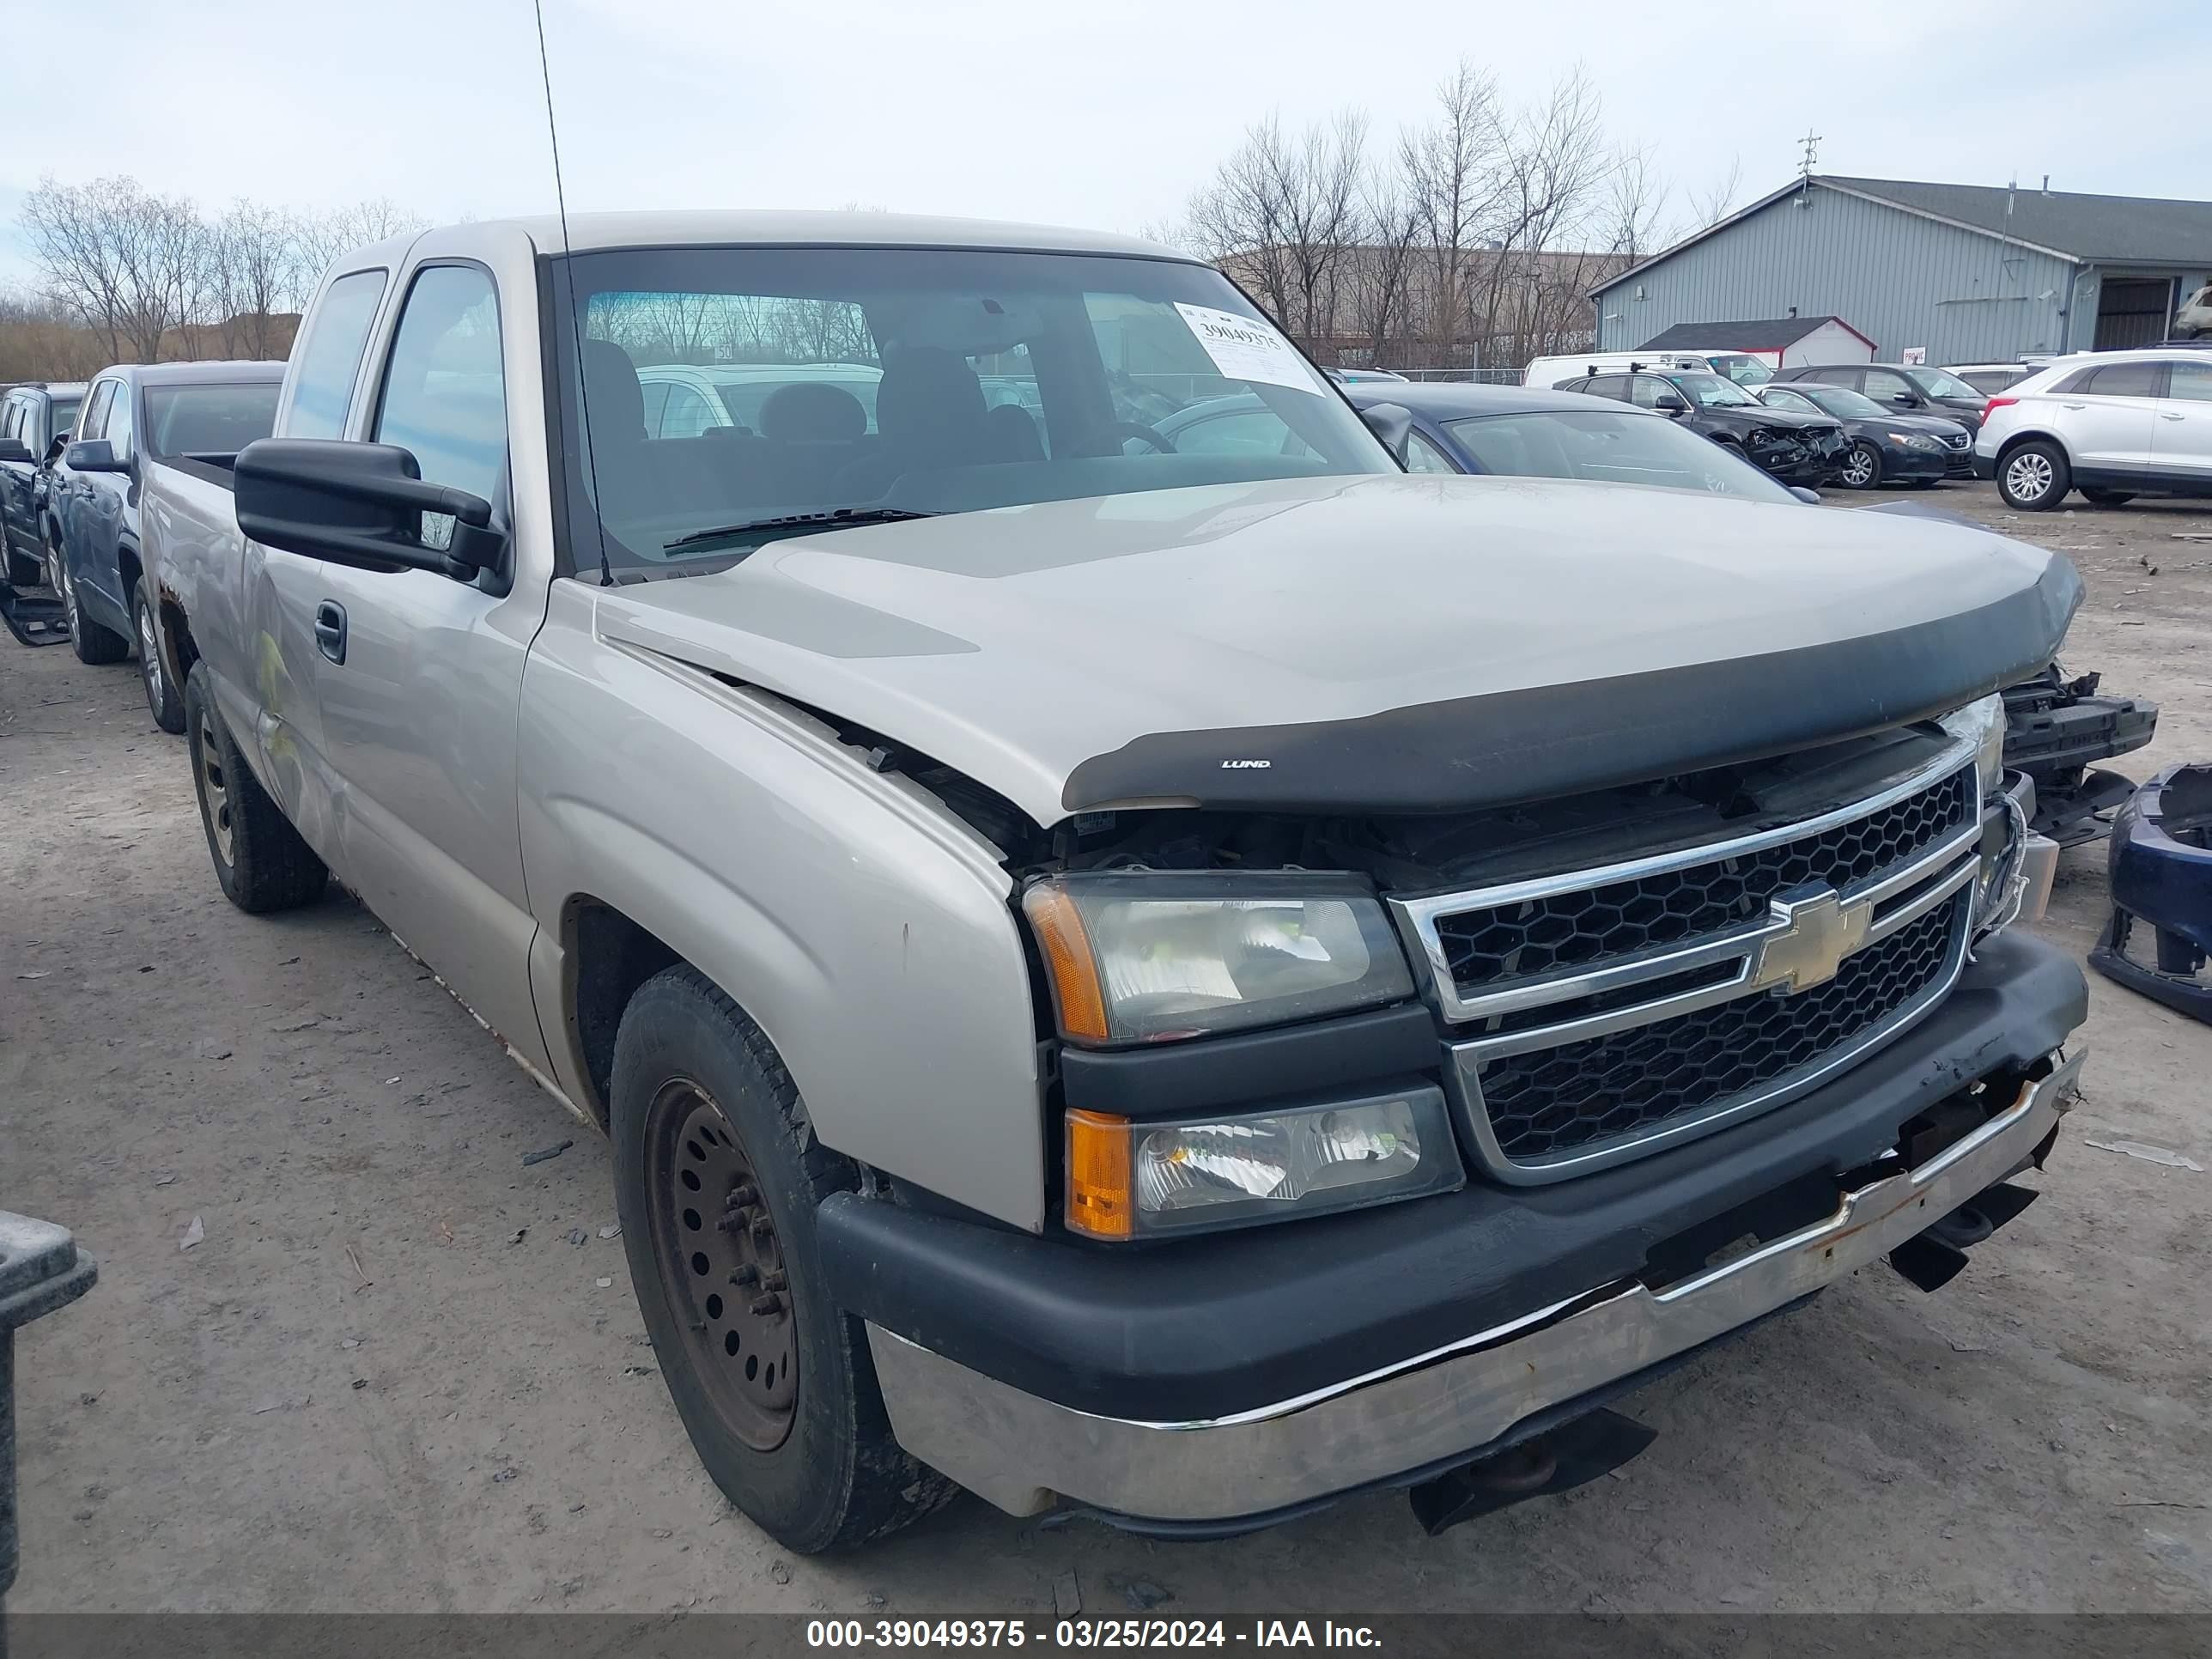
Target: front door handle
pixel 330 630
pixel 2165 416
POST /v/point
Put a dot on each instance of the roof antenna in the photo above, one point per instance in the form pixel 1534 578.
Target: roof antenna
pixel 575 327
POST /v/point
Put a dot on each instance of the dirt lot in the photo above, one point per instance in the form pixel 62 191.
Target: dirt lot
pixel 388 1380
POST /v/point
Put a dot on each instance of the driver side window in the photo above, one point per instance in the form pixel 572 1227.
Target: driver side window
pixel 445 393
pixel 1645 390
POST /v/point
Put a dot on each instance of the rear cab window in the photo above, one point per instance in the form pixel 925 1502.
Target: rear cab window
pixel 208 420
pixel 444 396
pixel 329 359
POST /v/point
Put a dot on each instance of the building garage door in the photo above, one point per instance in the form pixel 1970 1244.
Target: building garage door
pixel 2133 311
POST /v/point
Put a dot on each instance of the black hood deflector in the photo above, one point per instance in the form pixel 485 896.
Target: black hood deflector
pixel 1469 753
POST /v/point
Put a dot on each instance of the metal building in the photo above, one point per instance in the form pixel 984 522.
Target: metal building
pixel 1968 273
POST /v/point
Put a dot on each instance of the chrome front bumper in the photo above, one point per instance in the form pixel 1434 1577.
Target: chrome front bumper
pixel 1027 1454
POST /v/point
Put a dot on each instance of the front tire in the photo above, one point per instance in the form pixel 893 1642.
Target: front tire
pixel 260 858
pixel 93 643
pixel 2034 477
pixel 1861 468
pixel 718 1177
pixel 163 700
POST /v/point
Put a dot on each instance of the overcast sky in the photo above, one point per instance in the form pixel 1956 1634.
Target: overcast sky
pixel 1099 115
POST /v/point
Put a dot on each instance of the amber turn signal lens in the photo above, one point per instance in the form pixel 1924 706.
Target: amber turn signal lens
pixel 1067 959
pixel 1099 1202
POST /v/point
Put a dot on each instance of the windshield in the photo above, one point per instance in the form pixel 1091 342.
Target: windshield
pixel 1744 371
pixel 1843 402
pixel 869 382
pixel 1610 447
pixel 208 420
pixel 1711 391
pixel 1942 383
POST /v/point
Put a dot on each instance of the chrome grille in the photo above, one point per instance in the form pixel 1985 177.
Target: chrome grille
pixel 1551 1100
pixel 1606 1012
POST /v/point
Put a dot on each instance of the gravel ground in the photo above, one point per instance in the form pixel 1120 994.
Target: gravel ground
pixel 386 1379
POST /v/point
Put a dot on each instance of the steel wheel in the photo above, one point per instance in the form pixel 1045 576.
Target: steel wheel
pixel 1860 467
pixel 2028 475
pixel 713 1237
pixel 214 786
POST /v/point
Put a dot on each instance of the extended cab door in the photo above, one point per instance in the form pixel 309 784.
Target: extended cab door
pixel 2181 442
pixel 107 514
pixel 418 677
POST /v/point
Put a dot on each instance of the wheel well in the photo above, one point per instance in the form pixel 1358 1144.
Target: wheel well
pixel 2028 437
pixel 177 636
pixel 127 567
pixel 611 956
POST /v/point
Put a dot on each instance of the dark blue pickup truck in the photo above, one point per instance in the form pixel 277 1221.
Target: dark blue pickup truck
pixel 133 418
pixel 34 417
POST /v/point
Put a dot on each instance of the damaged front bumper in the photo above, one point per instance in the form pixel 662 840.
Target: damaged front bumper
pixel 1026 1454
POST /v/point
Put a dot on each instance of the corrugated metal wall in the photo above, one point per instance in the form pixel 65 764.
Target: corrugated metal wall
pixel 1900 280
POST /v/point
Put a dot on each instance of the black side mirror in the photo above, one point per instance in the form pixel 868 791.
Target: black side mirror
pixel 13 449
pixel 54 449
pixel 1671 406
pixel 1394 424
pixel 360 505
pixel 1905 400
pixel 1810 497
pixel 93 455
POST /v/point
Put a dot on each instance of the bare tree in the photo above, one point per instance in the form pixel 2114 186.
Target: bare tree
pixel 1635 199
pixel 1450 168
pixel 1282 213
pixel 120 259
pixel 1383 271
pixel 323 236
pixel 1710 205
pixel 254 275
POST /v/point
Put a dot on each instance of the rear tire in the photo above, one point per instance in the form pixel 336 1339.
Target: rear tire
pixel 260 858
pixel 2108 497
pixel 708 1129
pixel 2034 477
pixel 93 643
pixel 163 700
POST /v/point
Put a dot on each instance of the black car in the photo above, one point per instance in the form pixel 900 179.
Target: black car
pixel 1800 449
pixel 1908 388
pixel 1885 448
pixel 130 417
pixel 33 419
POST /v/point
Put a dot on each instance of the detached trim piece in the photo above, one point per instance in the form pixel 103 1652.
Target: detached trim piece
pixel 1531 743
pixel 1026 1455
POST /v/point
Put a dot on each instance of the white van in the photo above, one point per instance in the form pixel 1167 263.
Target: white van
pixel 1743 369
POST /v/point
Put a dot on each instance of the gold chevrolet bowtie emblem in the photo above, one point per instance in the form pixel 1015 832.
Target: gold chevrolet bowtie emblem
pixel 1817 934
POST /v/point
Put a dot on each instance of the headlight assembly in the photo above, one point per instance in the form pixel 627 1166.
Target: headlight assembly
pixel 1144 956
pixel 1983 721
pixel 1133 1180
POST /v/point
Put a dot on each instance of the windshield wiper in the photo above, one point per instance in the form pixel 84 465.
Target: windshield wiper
pixel 843 517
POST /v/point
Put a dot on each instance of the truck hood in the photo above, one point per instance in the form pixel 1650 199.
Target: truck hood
pixel 1377 644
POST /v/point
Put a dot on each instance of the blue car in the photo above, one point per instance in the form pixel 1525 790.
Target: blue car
pixel 1512 431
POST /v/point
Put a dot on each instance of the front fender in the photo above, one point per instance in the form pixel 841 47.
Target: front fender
pixel 865 930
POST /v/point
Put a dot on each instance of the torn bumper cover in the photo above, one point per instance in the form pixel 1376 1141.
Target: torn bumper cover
pixel 2161 867
pixel 1025 1453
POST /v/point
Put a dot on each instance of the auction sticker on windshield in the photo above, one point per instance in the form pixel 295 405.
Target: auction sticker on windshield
pixel 1245 349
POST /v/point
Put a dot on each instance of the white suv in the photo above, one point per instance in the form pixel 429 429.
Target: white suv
pixel 2112 424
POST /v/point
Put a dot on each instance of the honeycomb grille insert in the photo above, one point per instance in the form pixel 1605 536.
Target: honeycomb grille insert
pixel 1552 1100
pixel 1494 948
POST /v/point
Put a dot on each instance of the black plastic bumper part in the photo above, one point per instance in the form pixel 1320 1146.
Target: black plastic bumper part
pixel 2161 878
pixel 40 1269
pixel 1204 1327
